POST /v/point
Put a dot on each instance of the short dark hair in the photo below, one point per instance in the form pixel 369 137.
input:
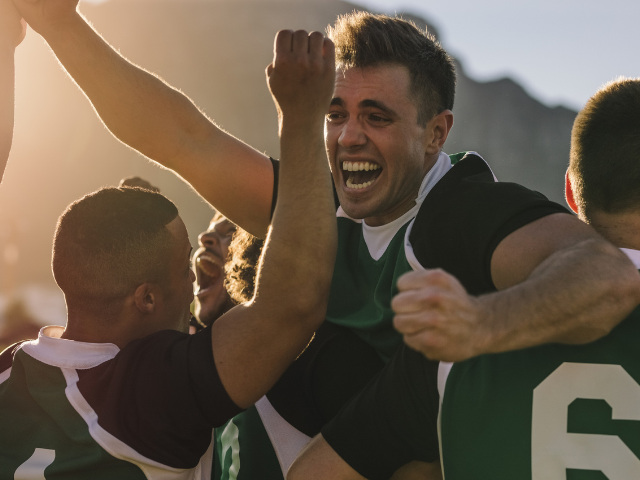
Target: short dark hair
pixel 363 40
pixel 604 166
pixel 110 241
pixel 242 265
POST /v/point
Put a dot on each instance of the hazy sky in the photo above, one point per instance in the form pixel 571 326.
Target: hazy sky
pixel 561 51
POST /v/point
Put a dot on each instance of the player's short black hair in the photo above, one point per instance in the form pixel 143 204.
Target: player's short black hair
pixel 110 241
pixel 363 40
pixel 604 166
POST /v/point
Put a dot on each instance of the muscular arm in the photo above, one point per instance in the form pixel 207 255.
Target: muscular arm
pixel 12 31
pixel 559 280
pixel 254 343
pixel 144 112
pixel 564 283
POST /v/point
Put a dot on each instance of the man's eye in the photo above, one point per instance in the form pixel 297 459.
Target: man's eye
pixel 377 119
pixel 333 116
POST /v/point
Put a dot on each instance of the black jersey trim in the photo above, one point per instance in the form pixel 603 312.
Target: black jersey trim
pixel 464 218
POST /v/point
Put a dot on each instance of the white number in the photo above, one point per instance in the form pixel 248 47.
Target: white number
pixel 553 449
pixel 229 440
pixel 33 468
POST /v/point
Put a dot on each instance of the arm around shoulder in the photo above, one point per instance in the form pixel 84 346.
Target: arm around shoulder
pixel 563 283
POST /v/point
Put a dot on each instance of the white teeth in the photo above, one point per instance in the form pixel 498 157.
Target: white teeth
pixel 357 186
pixel 357 166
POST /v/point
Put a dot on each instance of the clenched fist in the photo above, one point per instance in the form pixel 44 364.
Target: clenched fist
pixel 12 27
pixel 302 75
pixel 437 316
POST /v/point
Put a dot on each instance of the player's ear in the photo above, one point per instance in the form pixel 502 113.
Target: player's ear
pixel 438 129
pixel 568 193
pixel 145 298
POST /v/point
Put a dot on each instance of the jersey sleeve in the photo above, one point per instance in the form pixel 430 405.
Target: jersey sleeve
pixel 466 216
pixel 161 395
pixel 392 421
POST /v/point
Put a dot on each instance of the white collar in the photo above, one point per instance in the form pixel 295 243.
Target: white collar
pixel 49 348
pixel 379 238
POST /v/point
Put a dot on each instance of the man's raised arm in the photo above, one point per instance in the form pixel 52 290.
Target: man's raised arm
pixel 12 31
pixel 254 343
pixel 150 116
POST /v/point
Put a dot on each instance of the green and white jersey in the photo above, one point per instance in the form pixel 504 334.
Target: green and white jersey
pixel 554 412
pixel 263 441
pixel 463 219
pixel 75 410
pixel 368 263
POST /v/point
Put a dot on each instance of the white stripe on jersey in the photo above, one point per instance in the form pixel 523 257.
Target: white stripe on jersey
pixel 152 470
pixel 287 440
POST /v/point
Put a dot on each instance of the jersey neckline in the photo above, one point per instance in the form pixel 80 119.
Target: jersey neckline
pixel 52 350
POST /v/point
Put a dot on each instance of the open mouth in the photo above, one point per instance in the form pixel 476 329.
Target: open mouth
pixel 359 175
pixel 209 270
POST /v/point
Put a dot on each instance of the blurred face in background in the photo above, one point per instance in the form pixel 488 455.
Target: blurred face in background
pixel 212 299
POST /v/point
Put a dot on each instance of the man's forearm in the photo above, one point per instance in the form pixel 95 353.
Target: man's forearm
pixel 150 116
pixel 139 109
pixel 7 80
pixel 567 299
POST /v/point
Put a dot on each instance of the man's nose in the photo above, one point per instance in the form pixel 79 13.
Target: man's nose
pixel 208 239
pixel 352 134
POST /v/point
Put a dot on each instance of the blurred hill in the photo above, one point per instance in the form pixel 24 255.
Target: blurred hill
pixel 215 51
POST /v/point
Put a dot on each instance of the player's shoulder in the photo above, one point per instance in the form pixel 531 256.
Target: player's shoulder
pixel 7 355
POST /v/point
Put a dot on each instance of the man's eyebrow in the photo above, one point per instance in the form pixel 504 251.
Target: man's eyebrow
pixel 337 101
pixel 379 105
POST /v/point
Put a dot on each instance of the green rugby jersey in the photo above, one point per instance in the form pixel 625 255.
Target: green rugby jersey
pixel 368 263
pixel 263 441
pixel 75 410
pixel 555 412
pixel 461 222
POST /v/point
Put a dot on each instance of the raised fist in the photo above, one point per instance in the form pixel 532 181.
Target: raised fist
pixel 46 15
pixel 302 75
pixel 12 27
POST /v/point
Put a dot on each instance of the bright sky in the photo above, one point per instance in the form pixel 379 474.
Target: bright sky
pixel 561 51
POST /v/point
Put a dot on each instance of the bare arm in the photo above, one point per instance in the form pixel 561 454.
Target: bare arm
pixel 163 124
pixel 319 461
pixel 254 343
pixel 560 281
pixel 12 31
